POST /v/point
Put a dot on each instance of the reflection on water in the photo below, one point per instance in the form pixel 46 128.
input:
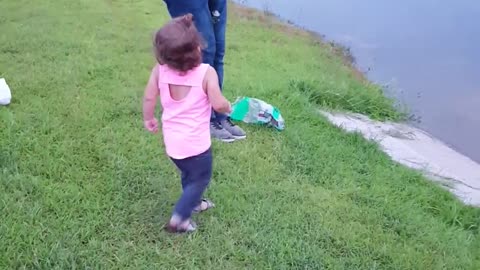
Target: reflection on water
pixel 427 51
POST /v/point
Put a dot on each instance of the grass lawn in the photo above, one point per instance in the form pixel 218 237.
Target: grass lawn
pixel 83 186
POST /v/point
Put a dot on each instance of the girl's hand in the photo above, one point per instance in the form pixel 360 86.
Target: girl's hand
pixel 229 110
pixel 151 125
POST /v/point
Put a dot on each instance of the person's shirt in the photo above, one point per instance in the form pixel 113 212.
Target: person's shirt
pixel 185 122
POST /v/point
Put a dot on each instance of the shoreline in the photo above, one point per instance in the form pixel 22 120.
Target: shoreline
pixel 414 98
pixel 466 187
pixel 270 19
pixel 418 150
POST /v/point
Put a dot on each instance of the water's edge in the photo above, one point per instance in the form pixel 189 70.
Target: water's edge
pixel 405 144
pixel 410 55
pixel 418 150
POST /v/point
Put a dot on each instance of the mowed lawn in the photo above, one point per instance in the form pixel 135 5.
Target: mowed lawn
pixel 83 186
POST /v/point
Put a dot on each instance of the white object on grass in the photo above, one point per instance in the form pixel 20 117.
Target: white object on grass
pixel 5 94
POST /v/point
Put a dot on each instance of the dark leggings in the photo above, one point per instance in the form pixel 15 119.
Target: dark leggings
pixel 196 173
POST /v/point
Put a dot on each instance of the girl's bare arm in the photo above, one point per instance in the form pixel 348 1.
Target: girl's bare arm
pixel 219 102
pixel 151 96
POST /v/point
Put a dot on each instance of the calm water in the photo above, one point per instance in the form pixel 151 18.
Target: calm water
pixel 426 51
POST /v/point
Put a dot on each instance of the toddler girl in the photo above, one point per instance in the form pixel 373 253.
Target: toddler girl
pixel 188 90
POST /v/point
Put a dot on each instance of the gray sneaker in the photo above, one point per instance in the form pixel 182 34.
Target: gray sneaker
pixel 235 130
pixel 219 133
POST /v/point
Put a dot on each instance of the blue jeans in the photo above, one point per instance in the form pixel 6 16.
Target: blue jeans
pixel 212 32
pixel 196 173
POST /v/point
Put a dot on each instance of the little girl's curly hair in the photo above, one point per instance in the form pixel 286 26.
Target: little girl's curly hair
pixel 178 44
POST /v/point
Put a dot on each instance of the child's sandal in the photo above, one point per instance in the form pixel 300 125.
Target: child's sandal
pixel 204 206
pixel 189 228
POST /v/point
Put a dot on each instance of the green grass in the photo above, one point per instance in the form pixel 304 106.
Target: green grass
pixel 83 186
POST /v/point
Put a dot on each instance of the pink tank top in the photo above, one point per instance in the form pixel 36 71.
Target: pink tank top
pixel 185 122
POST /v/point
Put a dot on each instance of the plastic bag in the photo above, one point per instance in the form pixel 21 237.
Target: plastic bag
pixel 256 111
pixel 5 94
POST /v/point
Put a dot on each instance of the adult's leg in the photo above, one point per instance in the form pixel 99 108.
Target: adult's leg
pixel 219 28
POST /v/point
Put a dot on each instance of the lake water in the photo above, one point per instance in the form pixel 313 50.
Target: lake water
pixel 426 51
